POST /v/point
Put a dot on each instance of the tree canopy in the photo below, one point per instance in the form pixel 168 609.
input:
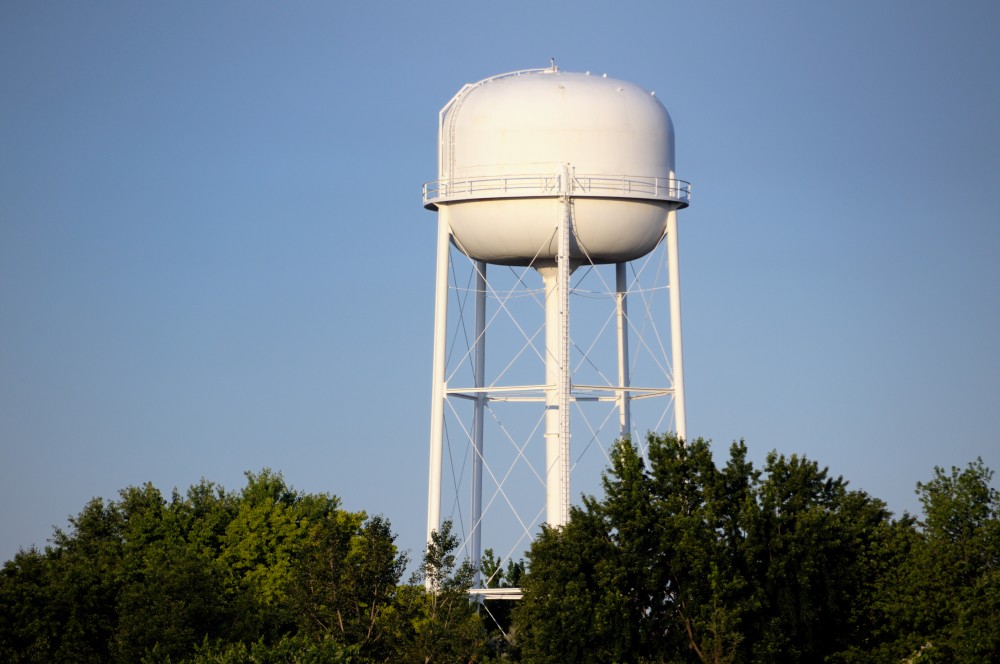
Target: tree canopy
pixel 687 560
pixel 682 559
pixel 265 574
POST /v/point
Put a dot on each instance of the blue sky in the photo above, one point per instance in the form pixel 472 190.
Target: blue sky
pixel 213 256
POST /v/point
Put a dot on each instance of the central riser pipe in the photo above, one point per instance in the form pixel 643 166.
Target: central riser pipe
pixel 555 484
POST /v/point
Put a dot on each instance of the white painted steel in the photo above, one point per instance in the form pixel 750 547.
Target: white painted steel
pixel 553 413
pixel 553 170
pixel 514 231
pixel 508 126
pixel 676 352
pixel 496 593
pixel 438 376
pixel 542 185
pixel 621 320
pixel 478 412
pixel 558 379
pixel 565 369
pixel 505 143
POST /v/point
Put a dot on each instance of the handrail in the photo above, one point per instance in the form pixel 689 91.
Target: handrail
pixel 548 185
pixel 497 593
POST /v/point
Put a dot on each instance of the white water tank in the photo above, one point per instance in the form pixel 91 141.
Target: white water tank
pixel 506 144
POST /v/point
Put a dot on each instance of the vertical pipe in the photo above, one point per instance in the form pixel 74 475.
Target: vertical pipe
pixel 621 311
pixel 565 384
pixel 676 350
pixel 553 421
pixel 438 374
pixel 558 386
pixel 479 408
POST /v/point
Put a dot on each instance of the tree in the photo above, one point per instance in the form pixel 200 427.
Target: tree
pixel 498 614
pixel 82 583
pixel 689 561
pixel 815 548
pixel 443 624
pixel 701 517
pixel 31 617
pixel 290 649
pixel 644 575
pixel 944 597
pixel 208 573
pixel 347 585
pixel 268 533
pixel 682 560
pixel 570 611
pixel 174 590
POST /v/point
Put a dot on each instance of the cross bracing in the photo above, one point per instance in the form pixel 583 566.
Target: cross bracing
pixel 513 392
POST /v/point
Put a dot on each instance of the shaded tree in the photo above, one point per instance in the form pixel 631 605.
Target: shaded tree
pixel 146 579
pixel 943 599
pixel 443 625
pixel 289 649
pixel 689 561
pixel 347 584
pixel 81 585
pixel 31 614
pixel 498 614
pixel 570 610
pixel 173 591
pixel 815 554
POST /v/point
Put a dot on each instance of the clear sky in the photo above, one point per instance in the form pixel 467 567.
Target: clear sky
pixel 213 256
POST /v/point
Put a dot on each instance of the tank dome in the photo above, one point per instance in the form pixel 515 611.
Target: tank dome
pixel 506 143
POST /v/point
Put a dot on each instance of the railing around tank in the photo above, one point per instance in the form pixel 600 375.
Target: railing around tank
pixel 530 186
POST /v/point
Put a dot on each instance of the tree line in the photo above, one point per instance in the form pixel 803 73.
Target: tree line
pixel 267 574
pixel 686 560
pixel 682 559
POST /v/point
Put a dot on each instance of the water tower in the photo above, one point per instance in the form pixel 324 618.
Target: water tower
pixel 548 171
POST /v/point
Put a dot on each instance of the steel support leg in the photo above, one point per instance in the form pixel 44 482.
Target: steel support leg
pixel 676 349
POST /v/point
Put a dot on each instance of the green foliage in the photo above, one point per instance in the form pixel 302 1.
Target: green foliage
pixel 32 614
pixel 82 586
pixel 347 586
pixel 288 650
pixel 498 614
pixel 144 579
pixel 683 560
pixel 687 561
pixel 443 625
pixel 171 592
pixel 495 576
pixel 571 609
pixel 943 600
pixel 268 532
pixel 817 557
